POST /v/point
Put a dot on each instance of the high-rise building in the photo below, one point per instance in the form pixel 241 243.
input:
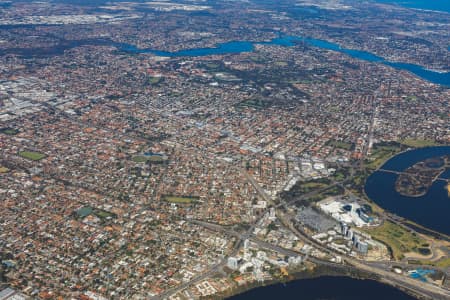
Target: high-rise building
pixel 344 228
pixel 362 247
pixel 233 263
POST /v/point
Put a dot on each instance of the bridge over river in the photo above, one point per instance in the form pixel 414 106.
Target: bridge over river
pixel 406 173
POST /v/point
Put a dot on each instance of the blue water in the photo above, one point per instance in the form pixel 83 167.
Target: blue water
pixel 326 288
pixel 421 274
pixel 234 47
pixel 222 48
pixel 446 174
pixel 431 210
pixel 288 41
pixel 438 5
pixel 406 159
pixel 225 48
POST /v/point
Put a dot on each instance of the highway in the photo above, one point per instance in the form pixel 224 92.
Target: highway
pixel 382 269
pixel 217 267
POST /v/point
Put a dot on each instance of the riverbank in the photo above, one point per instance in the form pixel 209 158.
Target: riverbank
pixel 319 272
pixel 236 47
pixel 429 210
pixel 436 6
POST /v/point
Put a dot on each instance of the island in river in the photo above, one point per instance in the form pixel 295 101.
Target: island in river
pixel 429 210
pixel 417 179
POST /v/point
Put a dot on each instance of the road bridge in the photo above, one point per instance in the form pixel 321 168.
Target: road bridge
pixel 406 173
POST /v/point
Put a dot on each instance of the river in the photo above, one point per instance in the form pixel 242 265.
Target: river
pixel 234 47
pixel 436 5
pixel 326 288
pixel 442 78
pixel 430 210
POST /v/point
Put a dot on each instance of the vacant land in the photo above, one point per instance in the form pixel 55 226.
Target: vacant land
pixel 180 200
pixel 418 143
pixel 441 263
pixel 3 169
pixel 32 155
pixel 398 239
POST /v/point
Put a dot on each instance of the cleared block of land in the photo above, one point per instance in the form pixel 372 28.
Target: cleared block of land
pixel 441 263
pixel 397 238
pixel 3 169
pixel 32 155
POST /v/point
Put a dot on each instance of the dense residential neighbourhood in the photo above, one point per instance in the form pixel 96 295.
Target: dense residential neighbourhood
pixel 138 175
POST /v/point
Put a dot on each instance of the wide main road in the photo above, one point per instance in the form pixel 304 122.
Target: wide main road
pixel 423 289
pixel 214 268
pixel 383 271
